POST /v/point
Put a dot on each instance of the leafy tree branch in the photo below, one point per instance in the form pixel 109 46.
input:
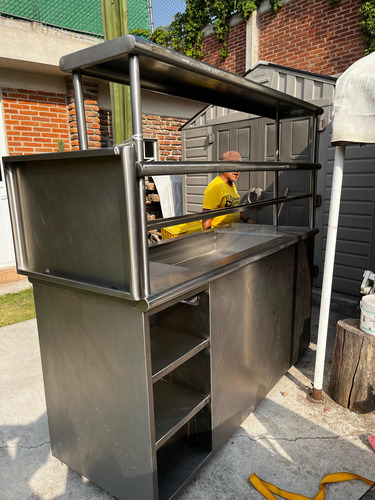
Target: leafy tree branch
pixel 186 31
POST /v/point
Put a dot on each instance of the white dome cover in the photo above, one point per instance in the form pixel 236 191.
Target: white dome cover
pixel 354 104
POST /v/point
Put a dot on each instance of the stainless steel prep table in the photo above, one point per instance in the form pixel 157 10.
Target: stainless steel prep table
pixel 152 357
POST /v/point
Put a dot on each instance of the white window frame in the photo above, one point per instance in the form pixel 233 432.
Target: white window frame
pixel 155 148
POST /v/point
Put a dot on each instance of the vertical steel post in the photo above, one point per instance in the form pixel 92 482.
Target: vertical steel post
pixel 130 186
pixel 80 109
pixel 314 159
pixel 135 96
pixel 276 174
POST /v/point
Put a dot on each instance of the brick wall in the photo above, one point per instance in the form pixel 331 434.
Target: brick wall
pixel 312 36
pixel 34 121
pixel 166 130
pixel 236 60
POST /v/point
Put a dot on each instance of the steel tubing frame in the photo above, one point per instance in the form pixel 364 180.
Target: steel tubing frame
pixel 145 169
pixel 138 226
pixel 80 110
pixel 276 174
pixel 314 148
pixel 141 231
pixel 222 211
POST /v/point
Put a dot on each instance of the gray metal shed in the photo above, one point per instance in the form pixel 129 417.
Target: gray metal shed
pixel 216 129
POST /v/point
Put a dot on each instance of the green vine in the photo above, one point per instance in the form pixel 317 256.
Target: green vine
pixel 186 31
pixel 368 24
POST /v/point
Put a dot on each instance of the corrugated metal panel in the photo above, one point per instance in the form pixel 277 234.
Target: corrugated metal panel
pixel 356 235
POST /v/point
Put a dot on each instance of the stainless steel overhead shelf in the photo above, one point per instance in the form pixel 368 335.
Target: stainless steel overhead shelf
pixel 170 72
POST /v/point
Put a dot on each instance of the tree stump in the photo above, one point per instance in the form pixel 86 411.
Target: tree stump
pixel 352 382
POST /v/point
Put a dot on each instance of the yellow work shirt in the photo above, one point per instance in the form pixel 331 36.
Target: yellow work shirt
pixel 218 194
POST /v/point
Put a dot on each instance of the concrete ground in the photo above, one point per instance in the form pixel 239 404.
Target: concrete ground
pixel 287 440
pixel 14 286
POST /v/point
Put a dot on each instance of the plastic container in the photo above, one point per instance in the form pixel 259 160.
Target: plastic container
pixel 367 323
pixel 180 229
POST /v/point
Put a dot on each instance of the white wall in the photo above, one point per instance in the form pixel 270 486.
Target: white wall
pixel 7 258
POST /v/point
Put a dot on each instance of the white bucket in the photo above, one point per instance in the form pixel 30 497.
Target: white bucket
pixel 367 323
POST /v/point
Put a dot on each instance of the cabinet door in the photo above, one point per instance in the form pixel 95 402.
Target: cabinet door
pixel 251 338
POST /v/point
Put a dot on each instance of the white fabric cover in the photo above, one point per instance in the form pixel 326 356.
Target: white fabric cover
pixel 354 104
pixel 170 190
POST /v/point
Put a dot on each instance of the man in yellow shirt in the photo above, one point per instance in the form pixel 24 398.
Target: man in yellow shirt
pixel 222 192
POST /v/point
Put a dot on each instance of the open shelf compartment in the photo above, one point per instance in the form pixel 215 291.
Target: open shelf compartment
pixel 183 455
pixel 169 349
pixel 174 405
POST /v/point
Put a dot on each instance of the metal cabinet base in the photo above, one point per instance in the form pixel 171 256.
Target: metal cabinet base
pixel 128 392
pixel 137 401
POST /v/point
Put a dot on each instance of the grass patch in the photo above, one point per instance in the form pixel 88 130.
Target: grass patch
pixel 16 307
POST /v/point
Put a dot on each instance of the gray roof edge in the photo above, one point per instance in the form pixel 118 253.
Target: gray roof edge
pixel 197 114
pixel 328 78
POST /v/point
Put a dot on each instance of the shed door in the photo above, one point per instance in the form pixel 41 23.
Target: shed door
pixel 195 146
pixel 255 140
pixel 295 145
pixel 241 136
pixel 7 258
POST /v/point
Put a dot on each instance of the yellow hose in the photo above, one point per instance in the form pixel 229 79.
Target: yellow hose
pixel 267 489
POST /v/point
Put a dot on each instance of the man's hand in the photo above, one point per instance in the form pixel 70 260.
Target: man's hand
pixel 206 223
pixel 245 218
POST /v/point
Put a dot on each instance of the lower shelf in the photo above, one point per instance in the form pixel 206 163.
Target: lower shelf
pixel 174 405
pixel 180 458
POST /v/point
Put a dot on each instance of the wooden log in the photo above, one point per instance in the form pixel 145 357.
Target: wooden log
pixel 352 382
pixel 153 197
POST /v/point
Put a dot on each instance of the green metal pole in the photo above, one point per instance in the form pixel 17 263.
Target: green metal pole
pixel 115 24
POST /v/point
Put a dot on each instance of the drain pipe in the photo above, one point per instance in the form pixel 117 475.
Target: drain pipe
pixel 338 171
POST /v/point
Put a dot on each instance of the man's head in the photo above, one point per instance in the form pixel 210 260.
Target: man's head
pixel 231 156
pixel 230 177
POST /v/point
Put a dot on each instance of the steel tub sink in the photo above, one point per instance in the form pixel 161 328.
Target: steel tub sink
pixel 207 248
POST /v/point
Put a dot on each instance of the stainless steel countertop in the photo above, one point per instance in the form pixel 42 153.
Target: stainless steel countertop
pixel 171 280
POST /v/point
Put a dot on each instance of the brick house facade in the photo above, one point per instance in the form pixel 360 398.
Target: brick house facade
pixel 235 62
pixel 312 36
pixel 35 121
pixel 166 131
